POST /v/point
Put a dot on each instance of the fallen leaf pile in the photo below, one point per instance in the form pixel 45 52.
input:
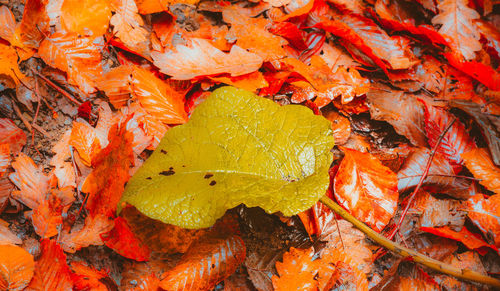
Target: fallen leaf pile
pixel 410 92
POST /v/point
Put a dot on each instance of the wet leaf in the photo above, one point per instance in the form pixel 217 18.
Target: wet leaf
pixel 87 278
pixel 88 17
pixel 470 240
pixel 484 213
pixel 206 263
pixel 9 69
pixel 16 267
pixel 13 135
pixel 441 174
pixel 455 141
pixel 78 56
pixel 479 162
pixel 281 167
pixel 51 270
pixel 122 240
pixel 85 235
pixel 203 59
pixel 366 188
pixel 456 20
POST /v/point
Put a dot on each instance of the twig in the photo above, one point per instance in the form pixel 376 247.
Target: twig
pixel 436 265
pixel 421 181
pixel 58 89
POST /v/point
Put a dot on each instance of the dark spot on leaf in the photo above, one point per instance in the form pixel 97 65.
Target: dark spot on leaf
pixel 213 266
pixel 163 152
pixel 148 178
pixel 183 166
pixel 212 183
pixel 167 173
pixel 208 176
pixel 171 168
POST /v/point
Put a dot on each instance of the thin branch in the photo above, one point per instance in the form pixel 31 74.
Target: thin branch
pixel 436 265
pixel 421 181
pixel 58 89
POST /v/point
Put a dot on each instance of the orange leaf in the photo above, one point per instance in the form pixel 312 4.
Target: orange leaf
pixel 35 23
pixel 105 189
pixel 457 26
pixel 84 16
pixel 16 268
pixel 299 11
pixel 51 271
pixel 479 162
pixel 47 217
pixel 158 98
pixel 13 135
pixel 251 34
pixel 128 26
pixel 297 271
pixel 78 56
pixel 467 260
pixel 87 278
pixel 85 141
pixel 6 235
pixel 4 158
pixel 470 240
pixel 207 262
pixel 153 6
pixel 366 188
pixel 86 235
pixel 250 82
pixel 122 240
pixel 9 69
pixel 8 26
pixel 32 182
pixel 117 85
pixel 161 238
pixel 203 59
pixel 485 214
pixel 340 125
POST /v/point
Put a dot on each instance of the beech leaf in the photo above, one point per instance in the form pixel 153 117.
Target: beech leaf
pixel 236 148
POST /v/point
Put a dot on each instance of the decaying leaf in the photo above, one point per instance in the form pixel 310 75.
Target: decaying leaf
pixel 87 234
pixel 366 188
pixel 12 135
pixel 16 267
pixel 277 164
pixel 87 278
pixel 206 263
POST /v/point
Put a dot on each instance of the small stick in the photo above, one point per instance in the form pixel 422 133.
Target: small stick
pixel 59 89
pixel 436 265
pixel 422 178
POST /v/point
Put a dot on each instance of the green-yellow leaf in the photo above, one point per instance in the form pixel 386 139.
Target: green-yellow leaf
pixel 236 148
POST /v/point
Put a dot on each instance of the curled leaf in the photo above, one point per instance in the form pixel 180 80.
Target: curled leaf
pixel 485 213
pixel 197 172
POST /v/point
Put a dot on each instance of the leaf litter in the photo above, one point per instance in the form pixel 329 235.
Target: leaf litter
pixel 389 76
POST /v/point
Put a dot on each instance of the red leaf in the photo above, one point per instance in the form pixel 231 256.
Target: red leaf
pixel 479 71
pixel 105 189
pixel 51 270
pixel 455 141
pixel 207 262
pixel 290 32
pixel 16 267
pixel 366 36
pixel 12 135
pixel 441 174
pixel 470 240
pixel 366 188
pixel 87 278
pixel 122 240
pixel 491 35
pixel 485 214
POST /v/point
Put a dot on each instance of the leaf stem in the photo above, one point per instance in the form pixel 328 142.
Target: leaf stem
pixel 406 252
